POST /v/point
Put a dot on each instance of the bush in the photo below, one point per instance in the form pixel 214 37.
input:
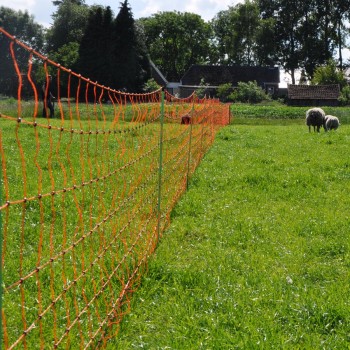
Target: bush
pixel 344 98
pixel 249 92
pixel 329 74
pixel 224 91
pixel 150 86
pixel 201 92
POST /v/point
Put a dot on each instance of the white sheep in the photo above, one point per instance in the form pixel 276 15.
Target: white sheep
pixel 331 122
pixel 315 118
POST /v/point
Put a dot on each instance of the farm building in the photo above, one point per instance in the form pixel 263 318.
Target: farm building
pixel 313 95
pixel 267 78
pixel 157 75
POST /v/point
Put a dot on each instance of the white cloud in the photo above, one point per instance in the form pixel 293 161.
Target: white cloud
pixel 18 4
pixel 147 8
pixel 207 9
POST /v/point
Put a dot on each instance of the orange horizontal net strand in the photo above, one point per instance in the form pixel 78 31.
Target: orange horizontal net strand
pixel 80 200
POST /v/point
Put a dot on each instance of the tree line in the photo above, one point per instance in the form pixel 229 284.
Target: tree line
pixel 115 49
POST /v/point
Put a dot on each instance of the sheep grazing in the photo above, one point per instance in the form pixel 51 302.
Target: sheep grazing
pixel 331 122
pixel 315 118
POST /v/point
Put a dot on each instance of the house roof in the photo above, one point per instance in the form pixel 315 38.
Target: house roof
pixel 313 92
pixel 217 75
pixel 157 75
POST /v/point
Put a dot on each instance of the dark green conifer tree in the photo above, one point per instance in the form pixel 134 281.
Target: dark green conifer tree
pixel 95 47
pixel 130 64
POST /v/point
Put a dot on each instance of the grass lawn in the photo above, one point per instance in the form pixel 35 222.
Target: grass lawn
pixel 80 217
pixel 257 255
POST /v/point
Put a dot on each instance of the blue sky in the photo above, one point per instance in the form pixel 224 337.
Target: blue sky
pixel 207 9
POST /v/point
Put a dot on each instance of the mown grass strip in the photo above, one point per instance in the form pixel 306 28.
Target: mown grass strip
pixel 258 252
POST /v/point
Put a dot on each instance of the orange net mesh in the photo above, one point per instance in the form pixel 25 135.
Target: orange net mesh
pixel 86 194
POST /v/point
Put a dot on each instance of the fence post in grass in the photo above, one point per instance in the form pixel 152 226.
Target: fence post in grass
pixel 190 144
pixel 160 162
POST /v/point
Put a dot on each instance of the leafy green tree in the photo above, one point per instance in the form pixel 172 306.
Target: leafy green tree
pixel 23 26
pixel 237 33
pixel 222 27
pixel 131 67
pixel 223 91
pixel 344 98
pixel 286 15
pixel 176 41
pixel 306 32
pixel 246 24
pixel 266 46
pixel 67 55
pixel 150 85
pixel 333 16
pixel 69 23
pixel 341 14
pixel 249 92
pixel 311 53
pixel 60 2
pixel 303 78
pixel 201 91
pixel 329 74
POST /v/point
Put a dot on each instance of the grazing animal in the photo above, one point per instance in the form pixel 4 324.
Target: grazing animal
pixel 315 118
pixel 186 119
pixel 331 122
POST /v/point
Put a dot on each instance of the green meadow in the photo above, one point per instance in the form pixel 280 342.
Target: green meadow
pixel 82 216
pixel 257 255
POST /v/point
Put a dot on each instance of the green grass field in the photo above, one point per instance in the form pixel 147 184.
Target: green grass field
pixel 256 257
pixel 82 216
pixel 258 252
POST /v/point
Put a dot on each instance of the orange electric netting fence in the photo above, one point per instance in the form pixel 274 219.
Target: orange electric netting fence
pixel 86 193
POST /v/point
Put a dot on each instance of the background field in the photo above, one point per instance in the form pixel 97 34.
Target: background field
pixel 257 255
pixel 276 113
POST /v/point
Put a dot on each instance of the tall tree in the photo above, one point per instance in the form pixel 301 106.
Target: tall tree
pixel 341 16
pixel 95 48
pixel 60 2
pixel 287 16
pixel 311 42
pixel 69 23
pixel 176 41
pixel 329 74
pixel 246 23
pixel 130 61
pixel 307 32
pixel 266 46
pixel 241 35
pixel 23 26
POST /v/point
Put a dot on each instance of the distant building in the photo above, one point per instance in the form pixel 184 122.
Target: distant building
pixel 172 87
pixel 267 78
pixel 157 75
pixel 313 95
